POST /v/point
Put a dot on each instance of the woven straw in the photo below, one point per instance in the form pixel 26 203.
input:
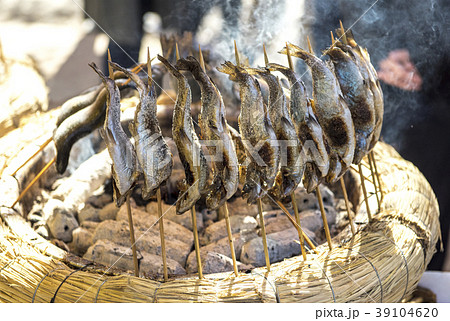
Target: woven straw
pixel 383 262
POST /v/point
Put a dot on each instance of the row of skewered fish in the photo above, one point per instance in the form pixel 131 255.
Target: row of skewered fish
pixel 318 137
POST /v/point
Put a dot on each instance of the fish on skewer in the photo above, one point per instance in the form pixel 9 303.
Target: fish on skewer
pixel 332 113
pixel 214 127
pixel 188 145
pixel 257 134
pixel 291 169
pixel 362 59
pixel 152 151
pixel 125 167
pixel 79 120
pixel 357 95
pixel 307 128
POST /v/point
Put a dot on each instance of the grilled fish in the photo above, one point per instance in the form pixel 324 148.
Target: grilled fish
pixel 257 133
pixel 214 128
pixel 291 167
pixel 332 113
pixel 188 145
pixel 308 130
pixel 362 59
pixel 358 96
pixel 124 167
pixel 152 151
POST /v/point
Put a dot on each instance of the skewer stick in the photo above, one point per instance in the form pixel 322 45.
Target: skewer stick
pixel 236 54
pixel 177 52
pixel 266 59
pixel 161 233
pixel 297 227
pixel 132 239
pixel 332 39
pixel 289 57
pixel 344 37
pixel 224 209
pixel 110 70
pixel 347 205
pixel 374 180
pixel 363 185
pixel 263 234
pixel 46 167
pixel 149 68
pixel 309 45
pixel 324 217
pixel 32 156
pixel 200 57
pixel 197 246
pixel 297 219
pixel 372 155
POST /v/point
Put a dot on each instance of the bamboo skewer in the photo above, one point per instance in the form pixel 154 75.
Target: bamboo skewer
pixel 132 239
pixel 161 234
pixel 324 218
pixel 344 37
pixel 363 185
pixel 297 227
pixel 236 54
pixel 196 243
pixel 32 156
pixel 263 234
pixel 372 155
pixel 46 167
pixel 266 59
pixel 347 205
pixel 177 52
pixel 374 181
pixel 224 209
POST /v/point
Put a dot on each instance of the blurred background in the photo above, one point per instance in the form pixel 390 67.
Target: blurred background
pixel 408 42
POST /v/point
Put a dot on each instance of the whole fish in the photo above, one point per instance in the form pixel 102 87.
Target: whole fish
pixel 292 165
pixel 362 59
pixel 214 128
pixel 357 95
pixel 124 167
pixel 188 145
pixel 257 134
pixel 309 132
pixel 332 113
pixel 152 151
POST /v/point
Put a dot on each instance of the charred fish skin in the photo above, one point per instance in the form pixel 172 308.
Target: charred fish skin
pixel 257 134
pixel 308 130
pixel 214 127
pixel 122 152
pixel 359 99
pixel 331 111
pixel 189 148
pixel 290 173
pixel 152 151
